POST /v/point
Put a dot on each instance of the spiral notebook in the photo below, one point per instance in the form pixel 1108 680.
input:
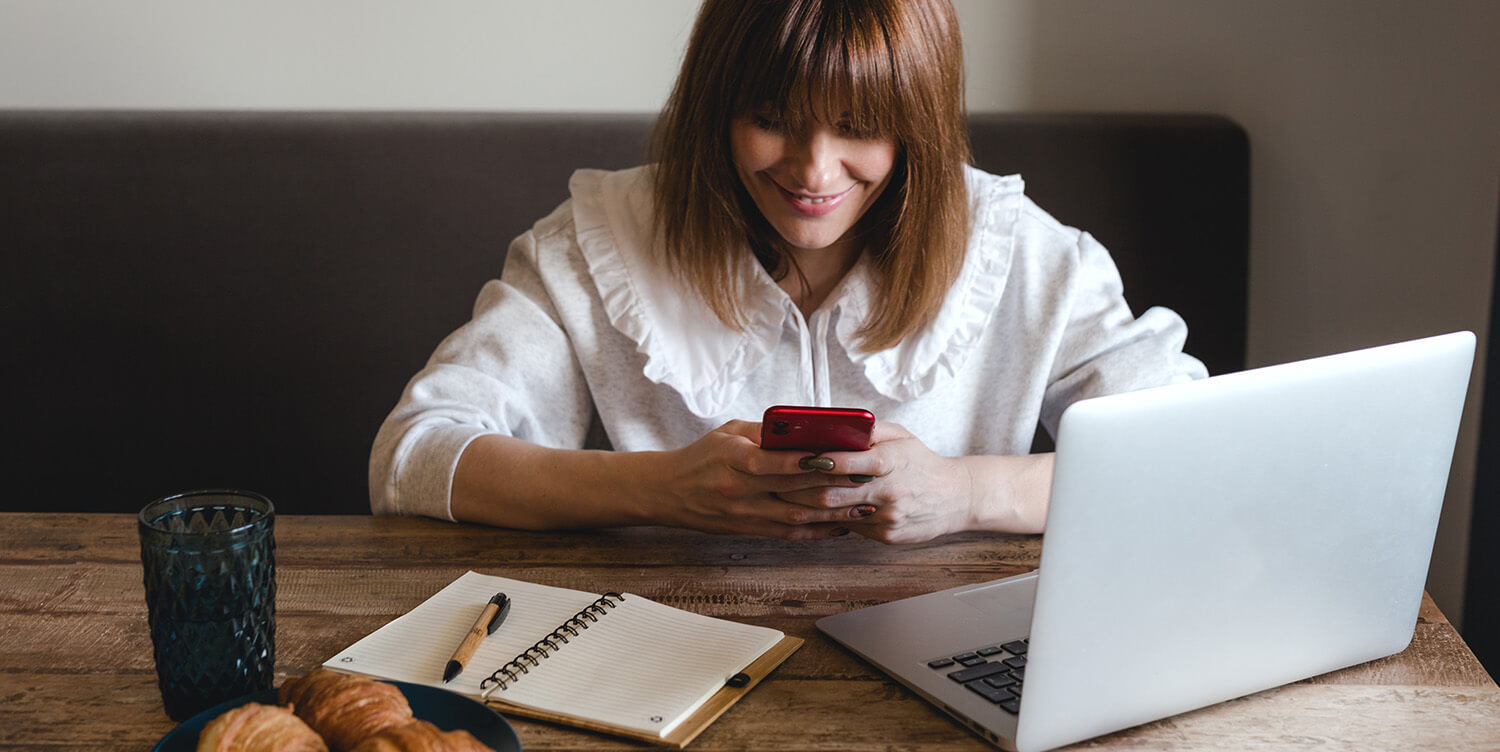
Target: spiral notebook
pixel 617 663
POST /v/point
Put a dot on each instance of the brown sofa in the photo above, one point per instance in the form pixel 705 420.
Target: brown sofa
pixel 237 299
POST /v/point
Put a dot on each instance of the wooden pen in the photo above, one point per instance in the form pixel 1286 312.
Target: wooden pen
pixel 489 620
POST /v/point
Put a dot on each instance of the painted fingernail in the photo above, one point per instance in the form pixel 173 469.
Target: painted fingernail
pixel 861 478
pixel 815 463
pixel 839 531
pixel 864 511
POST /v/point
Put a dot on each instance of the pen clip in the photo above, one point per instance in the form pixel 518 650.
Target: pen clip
pixel 503 601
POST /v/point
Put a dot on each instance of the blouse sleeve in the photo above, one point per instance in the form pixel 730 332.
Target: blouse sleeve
pixel 511 370
pixel 1104 348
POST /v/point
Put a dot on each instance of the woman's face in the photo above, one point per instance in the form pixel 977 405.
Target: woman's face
pixel 812 182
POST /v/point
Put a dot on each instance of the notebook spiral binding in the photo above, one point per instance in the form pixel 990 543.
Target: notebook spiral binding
pixel 533 656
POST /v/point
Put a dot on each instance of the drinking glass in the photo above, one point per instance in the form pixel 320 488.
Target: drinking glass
pixel 210 575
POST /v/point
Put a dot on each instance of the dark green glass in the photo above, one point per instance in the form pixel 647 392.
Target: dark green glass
pixel 210 575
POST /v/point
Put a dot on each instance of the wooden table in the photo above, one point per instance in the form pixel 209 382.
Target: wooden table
pixel 76 669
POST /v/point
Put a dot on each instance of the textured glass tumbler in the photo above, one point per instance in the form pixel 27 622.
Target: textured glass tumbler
pixel 210 575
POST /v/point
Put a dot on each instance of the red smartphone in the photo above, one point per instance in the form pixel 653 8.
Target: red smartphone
pixel 816 429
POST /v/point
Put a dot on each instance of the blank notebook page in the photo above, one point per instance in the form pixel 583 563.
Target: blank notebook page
pixel 642 665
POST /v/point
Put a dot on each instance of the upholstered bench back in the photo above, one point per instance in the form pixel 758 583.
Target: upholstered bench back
pixel 237 299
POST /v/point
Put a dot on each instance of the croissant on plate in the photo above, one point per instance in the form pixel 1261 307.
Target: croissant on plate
pixel 259 728
pixel 345 709
pixel 421 736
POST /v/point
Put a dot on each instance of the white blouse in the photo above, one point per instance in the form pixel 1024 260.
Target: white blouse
pixel 588 340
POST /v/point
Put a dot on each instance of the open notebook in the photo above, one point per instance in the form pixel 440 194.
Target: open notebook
pixel 640 669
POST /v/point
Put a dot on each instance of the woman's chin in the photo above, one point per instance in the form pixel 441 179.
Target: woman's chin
pixel 809 241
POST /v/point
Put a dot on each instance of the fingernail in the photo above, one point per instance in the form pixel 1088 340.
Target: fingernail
pixel 839 531
pixel 864 511
pixel 815 463
pixel 861 478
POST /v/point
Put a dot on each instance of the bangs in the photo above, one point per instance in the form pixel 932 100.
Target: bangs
pixel 822 60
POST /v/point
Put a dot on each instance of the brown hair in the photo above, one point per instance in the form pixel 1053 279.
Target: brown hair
pixel 899 64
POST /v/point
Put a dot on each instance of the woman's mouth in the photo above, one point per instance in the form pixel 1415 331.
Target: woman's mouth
pixel 813 206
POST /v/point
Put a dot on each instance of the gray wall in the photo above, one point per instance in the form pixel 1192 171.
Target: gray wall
pixel 1374 124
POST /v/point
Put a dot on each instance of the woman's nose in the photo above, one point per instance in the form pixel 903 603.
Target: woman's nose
pixel 815 160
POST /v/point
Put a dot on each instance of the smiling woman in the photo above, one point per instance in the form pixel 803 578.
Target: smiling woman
pixel 810 233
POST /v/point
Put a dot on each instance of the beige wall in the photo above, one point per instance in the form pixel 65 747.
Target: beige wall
pixel 1375 139
pixel 1374 124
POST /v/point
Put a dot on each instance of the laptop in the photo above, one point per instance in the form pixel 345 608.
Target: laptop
pixel 1204 541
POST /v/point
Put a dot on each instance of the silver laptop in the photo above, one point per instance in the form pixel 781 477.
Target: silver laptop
pixel 1204 541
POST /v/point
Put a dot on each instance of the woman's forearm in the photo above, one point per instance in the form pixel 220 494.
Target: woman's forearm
pixel 508 482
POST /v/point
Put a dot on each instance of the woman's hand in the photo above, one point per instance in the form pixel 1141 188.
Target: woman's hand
pixel 900 491
pixel 725 483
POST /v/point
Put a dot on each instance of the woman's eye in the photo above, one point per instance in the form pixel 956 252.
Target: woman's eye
pixel 848 129
pixel 768 123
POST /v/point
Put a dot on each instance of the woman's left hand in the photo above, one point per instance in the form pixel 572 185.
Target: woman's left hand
pixel 903 492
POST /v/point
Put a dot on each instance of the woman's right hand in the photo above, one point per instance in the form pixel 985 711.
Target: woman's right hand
pixel 725 483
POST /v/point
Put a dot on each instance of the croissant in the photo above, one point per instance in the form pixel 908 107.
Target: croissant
pixel 421 736
pixel 259 728
pixel 343 708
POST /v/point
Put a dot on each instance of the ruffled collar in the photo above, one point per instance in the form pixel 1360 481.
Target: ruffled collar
pixel 688 349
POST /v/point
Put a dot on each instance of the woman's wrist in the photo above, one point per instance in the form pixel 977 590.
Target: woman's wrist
pixel 1008 494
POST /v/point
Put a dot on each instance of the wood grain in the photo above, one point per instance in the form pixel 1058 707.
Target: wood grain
pixel 76 669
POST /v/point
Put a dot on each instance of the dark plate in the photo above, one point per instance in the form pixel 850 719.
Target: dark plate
pixel 444 709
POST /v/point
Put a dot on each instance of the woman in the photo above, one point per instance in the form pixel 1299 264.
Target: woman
pixel 809 233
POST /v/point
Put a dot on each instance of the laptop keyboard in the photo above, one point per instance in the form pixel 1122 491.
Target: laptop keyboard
pixel 994 672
